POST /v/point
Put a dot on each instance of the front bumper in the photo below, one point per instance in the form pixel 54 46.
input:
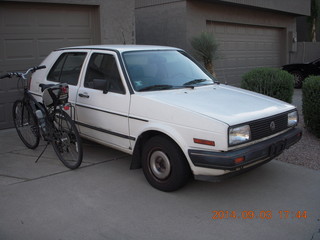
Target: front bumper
pixel 255 154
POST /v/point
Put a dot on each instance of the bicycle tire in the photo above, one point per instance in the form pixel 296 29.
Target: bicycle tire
pixel 66 141
pixel 26 124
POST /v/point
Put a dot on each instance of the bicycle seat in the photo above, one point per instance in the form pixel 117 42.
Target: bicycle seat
pixel 45 86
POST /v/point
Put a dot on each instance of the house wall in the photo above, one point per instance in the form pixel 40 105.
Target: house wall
pixel 161 22
pixel 199 12
pixel 250 33
pixel 299 7
pixel 306 52
pixel 116 18
pixel 248 37
pixel 148 3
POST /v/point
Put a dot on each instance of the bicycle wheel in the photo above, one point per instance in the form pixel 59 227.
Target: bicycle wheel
pixel 26 124
pixel 66 140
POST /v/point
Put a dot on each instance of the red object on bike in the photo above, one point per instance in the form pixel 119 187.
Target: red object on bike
pixel 64 89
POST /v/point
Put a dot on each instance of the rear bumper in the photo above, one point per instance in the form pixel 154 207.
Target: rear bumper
pixel 255 154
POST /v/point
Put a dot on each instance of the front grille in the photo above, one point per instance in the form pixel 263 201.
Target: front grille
pixel 268 126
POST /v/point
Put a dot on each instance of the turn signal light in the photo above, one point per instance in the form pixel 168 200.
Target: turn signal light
pixel 204 142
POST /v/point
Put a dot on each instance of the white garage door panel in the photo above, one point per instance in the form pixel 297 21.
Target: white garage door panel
pixel 244 47
pixel 30 31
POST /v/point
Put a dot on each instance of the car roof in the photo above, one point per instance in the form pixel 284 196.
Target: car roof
pixel 121 48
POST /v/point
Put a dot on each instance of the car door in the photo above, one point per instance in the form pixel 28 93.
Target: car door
pixel 102 103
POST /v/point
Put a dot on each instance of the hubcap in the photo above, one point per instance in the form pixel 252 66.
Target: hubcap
pixel 160 165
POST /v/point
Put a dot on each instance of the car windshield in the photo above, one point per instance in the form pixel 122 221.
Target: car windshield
pixel 162 70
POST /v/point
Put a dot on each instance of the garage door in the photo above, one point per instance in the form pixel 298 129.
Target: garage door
pixel 28 32
pixel 244 47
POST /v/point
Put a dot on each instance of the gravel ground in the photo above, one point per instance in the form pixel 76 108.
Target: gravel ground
pixel 307 151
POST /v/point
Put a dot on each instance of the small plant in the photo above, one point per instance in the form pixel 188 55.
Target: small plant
pixel 311 104
pixel 271 82
pixel 206 47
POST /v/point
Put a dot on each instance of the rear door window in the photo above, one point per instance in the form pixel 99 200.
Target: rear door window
pixel 67 68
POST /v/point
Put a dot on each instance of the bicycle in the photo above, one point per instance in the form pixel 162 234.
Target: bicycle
pixel 48 120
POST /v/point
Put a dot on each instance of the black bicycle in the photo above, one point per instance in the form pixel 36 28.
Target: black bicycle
pixel 33 119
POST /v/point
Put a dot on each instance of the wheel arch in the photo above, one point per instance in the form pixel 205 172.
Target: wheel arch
pixel 143 138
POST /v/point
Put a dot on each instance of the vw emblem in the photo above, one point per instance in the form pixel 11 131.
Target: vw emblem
pixel 272 126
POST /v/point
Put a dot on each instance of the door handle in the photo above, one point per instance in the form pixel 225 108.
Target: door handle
pixel 84 95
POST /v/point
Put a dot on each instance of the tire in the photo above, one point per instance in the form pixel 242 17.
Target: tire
pixel 66 141
pixel 164 164
pixel 298 78
pixel 26 124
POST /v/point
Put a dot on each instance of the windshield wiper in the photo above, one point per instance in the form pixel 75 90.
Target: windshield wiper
pixel 195 81
pixel 156 87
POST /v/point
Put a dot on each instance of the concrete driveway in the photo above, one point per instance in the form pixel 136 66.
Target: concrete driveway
pixel 105 200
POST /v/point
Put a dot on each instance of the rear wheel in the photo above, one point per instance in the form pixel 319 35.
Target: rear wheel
pixel 26 124
pixel 164 164
pixel 67 142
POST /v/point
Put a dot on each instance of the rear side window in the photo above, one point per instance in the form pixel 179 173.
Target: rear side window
pixel 67 68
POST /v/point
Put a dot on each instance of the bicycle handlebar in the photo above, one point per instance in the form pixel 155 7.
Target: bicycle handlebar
pixel 23 75
pixel 7 75
pixel 39 67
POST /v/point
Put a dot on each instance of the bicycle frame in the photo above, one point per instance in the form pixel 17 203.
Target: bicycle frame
pixel 48 115
pixel 30 100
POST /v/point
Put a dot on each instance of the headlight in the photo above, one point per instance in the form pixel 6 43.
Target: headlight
pixel 292 119
pixel 240 134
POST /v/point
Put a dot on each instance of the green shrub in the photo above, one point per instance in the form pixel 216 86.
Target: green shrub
pixel 311 104
pixel 269 81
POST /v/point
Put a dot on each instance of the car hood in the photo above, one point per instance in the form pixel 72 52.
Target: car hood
pixel 227 104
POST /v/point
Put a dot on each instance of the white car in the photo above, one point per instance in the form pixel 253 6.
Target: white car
pixel 159 105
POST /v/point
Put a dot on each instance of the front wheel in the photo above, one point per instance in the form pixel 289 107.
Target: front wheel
pixel 26 124
pixel 164 164
pixel 66 140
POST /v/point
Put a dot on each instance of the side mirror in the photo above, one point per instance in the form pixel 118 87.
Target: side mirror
pixel 101 84
pixel 106 88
